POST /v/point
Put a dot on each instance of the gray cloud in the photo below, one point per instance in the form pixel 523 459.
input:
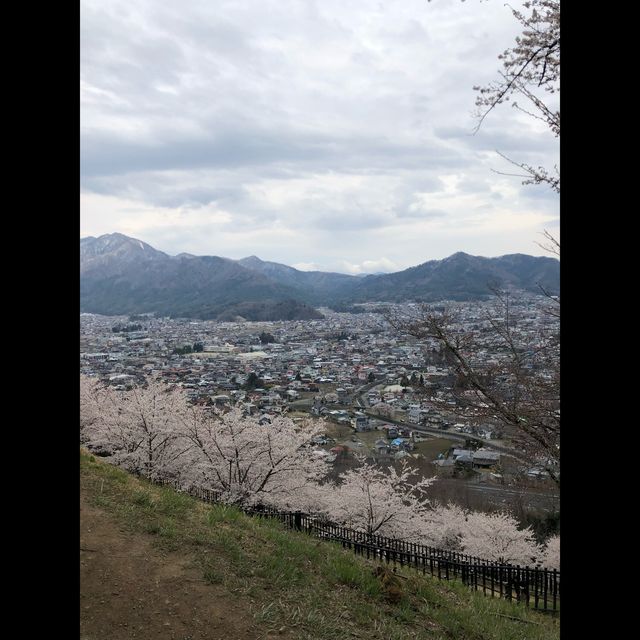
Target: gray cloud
pixel 347 117
pixel 235 147
pixel 423 215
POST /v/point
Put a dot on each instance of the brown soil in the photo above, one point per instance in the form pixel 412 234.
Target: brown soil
pixel 129 589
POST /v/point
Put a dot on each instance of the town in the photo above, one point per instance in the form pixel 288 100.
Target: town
pixel 379 391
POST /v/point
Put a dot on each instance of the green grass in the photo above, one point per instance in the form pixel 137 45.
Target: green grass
pixel 431 447
pixel 314 589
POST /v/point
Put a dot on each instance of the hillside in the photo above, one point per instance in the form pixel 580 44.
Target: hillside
pixel 156 563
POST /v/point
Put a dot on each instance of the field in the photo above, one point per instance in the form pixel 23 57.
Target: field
pixel 431 447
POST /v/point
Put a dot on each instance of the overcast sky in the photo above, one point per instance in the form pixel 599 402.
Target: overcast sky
pixel 328 134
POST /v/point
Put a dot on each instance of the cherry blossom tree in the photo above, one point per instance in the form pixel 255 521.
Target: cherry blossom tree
pixel 250 460
pixel 551 555
pixel 497 537
pixel 91 392
pixel 494 536
pixel 153 430
pixel 137 428
pixel 530 73
pixel 444 527
pixel 396 504
pixel 388 503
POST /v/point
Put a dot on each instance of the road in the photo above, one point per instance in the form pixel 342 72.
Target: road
pixel 361 402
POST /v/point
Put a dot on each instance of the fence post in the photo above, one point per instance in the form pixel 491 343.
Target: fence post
pixel 483 568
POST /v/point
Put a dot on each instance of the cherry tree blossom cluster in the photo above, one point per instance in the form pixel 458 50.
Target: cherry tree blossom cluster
pixel 154 430
pixel 390 502
pixel 530 79
pixel 551 553
pixel 137 429
pixel 496 537
pixel 90 401
pixel 250 460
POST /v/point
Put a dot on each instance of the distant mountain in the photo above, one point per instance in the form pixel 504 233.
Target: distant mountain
pixel 316 287
pixel 461 277
pixel 122 275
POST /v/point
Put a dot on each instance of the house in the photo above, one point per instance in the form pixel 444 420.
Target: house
pixel 340 416
pixel 413 413
pixel 537 472
pixel 485 458
pixel 250 408
pixel 361 422
pixel 392 432
pixel 381 446
pixel 463 456
pixel 400 444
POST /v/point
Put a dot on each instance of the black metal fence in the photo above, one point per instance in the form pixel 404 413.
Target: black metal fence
pixel 535 587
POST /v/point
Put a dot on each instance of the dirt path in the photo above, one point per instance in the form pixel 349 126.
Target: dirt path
pixel 128 590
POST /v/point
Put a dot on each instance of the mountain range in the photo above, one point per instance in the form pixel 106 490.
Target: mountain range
pixel 123 275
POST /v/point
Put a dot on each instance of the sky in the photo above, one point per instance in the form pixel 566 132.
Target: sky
pixel 322 134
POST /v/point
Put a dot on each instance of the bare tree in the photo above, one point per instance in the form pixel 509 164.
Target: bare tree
pixel 551 244
pixel 500 376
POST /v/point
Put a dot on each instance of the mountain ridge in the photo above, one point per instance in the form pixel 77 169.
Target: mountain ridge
pixel 120 275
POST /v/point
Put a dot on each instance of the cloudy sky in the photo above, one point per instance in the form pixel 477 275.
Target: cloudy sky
pixel 324 134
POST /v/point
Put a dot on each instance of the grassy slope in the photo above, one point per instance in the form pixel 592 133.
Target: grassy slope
pixel 314 589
